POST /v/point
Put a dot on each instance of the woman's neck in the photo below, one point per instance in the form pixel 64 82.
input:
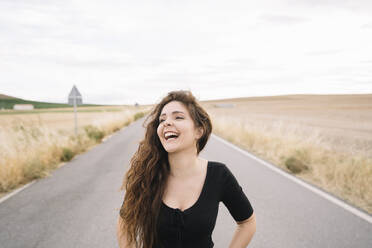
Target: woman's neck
pixel 184 165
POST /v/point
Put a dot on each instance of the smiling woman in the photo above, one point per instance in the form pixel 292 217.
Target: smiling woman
pixel 172 194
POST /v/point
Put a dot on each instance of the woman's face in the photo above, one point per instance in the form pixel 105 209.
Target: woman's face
pixel 175 118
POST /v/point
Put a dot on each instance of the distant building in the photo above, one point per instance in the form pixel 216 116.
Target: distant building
pixel 23 107
pixel 224 105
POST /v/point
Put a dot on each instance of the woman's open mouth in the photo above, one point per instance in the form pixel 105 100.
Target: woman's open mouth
pixel 171 137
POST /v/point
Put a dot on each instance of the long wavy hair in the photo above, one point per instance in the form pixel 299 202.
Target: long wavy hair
pixel 144 182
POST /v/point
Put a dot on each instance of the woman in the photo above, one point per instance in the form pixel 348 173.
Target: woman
pixel 172 194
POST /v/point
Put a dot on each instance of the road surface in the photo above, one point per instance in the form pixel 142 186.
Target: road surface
pixel 77 205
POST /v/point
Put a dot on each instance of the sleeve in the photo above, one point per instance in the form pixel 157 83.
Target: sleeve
pixel 234 198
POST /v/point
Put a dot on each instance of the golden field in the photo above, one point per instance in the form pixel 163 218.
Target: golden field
pixel 329 134
pixel 36 142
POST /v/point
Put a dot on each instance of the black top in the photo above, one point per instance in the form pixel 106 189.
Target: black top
pixel 193 227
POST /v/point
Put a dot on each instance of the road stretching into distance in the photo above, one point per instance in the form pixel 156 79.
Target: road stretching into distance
pixel 77 205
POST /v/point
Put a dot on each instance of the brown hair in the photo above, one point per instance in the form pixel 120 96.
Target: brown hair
pixel 144 182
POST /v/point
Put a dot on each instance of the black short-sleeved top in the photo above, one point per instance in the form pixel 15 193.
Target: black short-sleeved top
pixel 192 228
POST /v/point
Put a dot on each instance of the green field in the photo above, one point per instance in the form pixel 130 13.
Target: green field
pixel 7 102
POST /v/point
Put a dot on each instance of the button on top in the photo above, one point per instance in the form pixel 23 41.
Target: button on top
pixel 178 220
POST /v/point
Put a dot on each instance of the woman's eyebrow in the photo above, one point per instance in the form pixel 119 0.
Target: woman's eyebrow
pixel 174 112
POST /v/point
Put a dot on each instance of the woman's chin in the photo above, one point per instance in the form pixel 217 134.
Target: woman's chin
pixel 171 149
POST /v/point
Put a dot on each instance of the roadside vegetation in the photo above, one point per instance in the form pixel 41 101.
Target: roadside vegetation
pixel 31 148
pixel 329 145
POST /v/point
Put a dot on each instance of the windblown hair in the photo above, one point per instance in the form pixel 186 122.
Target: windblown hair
pixel 144 182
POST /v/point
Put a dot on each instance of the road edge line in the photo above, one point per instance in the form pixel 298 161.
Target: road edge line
pixel 7 196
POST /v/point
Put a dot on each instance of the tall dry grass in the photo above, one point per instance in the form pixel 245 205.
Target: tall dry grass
pixel 347 173
pixel 30 147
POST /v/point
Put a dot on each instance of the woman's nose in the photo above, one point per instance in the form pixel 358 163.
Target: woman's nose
pixel 167 122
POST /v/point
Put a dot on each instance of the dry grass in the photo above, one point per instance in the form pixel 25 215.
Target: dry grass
pixel 332 135
pixel 34 144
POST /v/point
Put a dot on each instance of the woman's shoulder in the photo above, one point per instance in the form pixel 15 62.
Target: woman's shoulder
pixel 221 171
pixel 219 168
pixel 217 164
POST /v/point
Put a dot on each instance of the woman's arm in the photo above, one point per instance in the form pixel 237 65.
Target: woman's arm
pixel 244 233
pixel 123 243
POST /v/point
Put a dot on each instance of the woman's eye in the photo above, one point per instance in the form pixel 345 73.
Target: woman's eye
pixel 178 117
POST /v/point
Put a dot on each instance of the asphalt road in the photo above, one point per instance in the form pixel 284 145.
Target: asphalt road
pixel 78 204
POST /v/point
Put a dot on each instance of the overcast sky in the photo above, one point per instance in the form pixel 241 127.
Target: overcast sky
pixel 122 52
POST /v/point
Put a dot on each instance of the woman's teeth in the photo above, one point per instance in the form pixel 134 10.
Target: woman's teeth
pixel 172 138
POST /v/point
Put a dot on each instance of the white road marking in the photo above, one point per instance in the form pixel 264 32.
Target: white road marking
pixel 6 197
pixel 357 212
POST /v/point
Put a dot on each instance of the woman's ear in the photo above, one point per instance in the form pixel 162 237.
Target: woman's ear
pixel 200 132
